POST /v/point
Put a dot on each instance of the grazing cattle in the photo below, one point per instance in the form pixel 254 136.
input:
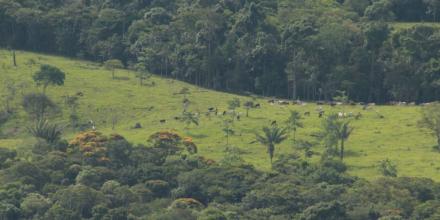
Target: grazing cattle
pixel 92 124
pixel 137 126
pixel 211 109
pixel 163 121
pixel 80 94
pixel 257 105
pixel 320 103
pixel 307 113
pixel 176 118
pixel 321 113
pixel 281 102
pixel 271 101
pixel 274 123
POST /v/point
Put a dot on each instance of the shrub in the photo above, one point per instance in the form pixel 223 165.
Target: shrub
pixel 387 168
pixel 186 203
pixel 38 105
pixel 158 187
pixel 47 131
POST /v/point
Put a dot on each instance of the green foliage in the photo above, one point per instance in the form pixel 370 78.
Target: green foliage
pixel 270 137
pixel 113 65
pixel 49 75
pixel 294 122
pixel 45 130
pixel 39 106
pixel 431 120
pixel 234 103
pixel 388 168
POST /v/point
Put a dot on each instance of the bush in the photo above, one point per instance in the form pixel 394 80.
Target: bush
pixel 38 105
pixel 387 168
pixel 186 203
pixel 47 131
pixel 160 188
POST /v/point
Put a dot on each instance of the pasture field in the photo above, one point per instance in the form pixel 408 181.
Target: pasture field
pixel 396 136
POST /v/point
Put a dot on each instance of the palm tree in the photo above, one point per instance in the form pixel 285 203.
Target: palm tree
pixel 270 137
pixel 294 122
pixel 189 118
pixel 344 133
pixel 336 132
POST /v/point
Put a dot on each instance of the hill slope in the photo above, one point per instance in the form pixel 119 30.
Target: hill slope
pixel 396 137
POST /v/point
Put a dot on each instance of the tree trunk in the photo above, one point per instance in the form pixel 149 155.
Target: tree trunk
pixel 271 152
pixel 342 150
pixel 14 60
pixel 294 87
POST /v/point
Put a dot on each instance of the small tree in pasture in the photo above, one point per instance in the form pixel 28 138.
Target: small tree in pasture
pixel 271 136
pixel 388 168
pixel 189 118
pixel 294 122
pixel 248 105
pixel 39 106
pixel 227 129
pixel 49 75
pixel 335 132
pixel 112 65
pixel 234 104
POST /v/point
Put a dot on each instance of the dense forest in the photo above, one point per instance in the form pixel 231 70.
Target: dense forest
pixel 294 49
pixel 99 177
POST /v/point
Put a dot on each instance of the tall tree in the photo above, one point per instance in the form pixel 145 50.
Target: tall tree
pixel 49 75
pixel 271 136
pixel 294 122
pixel 112 65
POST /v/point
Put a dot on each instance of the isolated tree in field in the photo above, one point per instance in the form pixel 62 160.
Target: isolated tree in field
pixel 248 105
pixel 271 136
pixel 112 65
pixel 189 118
pixel 233 104
pixel 294 122
pixel 336 131
pixel 14 58
pixel 388 168
pixel 47 131
pixel 185 92
pixel 142 73
pixel 38 105
pixel 431 120
pixel 49 75
pixel 227 129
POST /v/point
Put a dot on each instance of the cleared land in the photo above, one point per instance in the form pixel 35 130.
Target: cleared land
pixel 396 136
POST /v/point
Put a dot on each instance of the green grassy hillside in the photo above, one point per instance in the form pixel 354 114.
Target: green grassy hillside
pixel 396 137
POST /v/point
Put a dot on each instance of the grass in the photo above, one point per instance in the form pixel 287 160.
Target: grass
pixel 396 137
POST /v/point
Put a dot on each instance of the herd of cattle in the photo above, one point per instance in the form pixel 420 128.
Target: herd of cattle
pixel 319 110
